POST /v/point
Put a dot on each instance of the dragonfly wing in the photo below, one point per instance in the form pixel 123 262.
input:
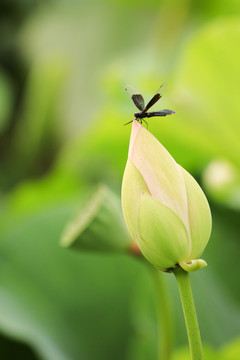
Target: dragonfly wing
pixel 156 97
pixel 164 112
pixel 136 97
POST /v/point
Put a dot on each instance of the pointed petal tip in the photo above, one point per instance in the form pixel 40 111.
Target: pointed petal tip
pixel 136 126
pixel 136 123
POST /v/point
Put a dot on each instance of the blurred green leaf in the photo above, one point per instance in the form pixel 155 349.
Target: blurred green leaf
pixel 183 354
pixel 6 101
pixel 205 98
pixel 231 351
pixel 30 197
pixel 49 294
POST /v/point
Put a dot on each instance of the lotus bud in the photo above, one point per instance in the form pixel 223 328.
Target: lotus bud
pixel 165 210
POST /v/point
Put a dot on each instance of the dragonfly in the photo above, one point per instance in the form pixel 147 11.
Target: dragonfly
pixel 138 100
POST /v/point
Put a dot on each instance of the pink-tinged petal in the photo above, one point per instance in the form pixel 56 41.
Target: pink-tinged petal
pixel 200 219
pixel 159 170
pixel 135 129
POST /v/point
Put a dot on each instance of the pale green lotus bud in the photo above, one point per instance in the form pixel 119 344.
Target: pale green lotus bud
pixel 165 210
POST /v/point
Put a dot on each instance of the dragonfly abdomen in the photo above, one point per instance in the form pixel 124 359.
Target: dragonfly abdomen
pixel 142 115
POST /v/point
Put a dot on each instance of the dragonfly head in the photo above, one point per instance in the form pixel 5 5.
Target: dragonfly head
pixel 137 115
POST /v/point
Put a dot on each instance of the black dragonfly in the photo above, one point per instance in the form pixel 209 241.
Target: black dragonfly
pixel 139 102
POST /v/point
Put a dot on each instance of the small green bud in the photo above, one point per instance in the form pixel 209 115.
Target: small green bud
pixel 165 210
pixel 99 225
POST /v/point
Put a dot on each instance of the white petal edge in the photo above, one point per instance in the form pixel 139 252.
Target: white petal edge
pixel 200 219
pixel 133 186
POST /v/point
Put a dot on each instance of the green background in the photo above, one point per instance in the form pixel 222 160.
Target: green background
pixel 63 69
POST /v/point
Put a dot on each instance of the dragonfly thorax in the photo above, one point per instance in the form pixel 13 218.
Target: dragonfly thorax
pixel 140 115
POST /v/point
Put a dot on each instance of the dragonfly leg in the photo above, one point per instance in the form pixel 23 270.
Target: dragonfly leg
pixel 145 122
pixel 128 123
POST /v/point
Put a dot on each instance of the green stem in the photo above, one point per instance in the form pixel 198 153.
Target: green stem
pixel 194 337
pixel 165 331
